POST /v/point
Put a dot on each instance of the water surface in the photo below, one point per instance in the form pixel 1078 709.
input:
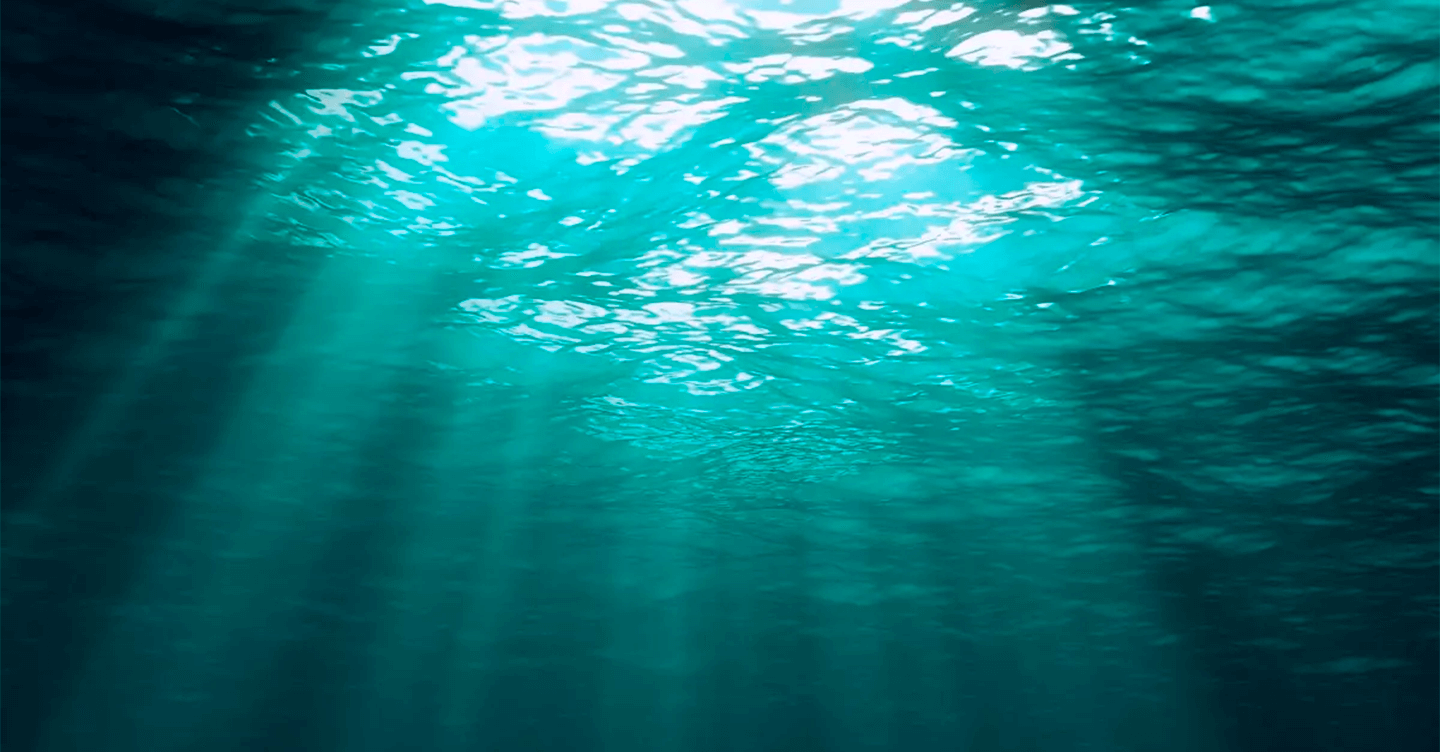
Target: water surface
pixel 713 375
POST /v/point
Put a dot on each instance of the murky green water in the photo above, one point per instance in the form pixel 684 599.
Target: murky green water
pixel 721 376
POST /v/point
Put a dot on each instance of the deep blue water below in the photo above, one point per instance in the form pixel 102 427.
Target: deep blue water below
pixel 720 376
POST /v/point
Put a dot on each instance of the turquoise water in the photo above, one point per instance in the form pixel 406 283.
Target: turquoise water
pixel 711 375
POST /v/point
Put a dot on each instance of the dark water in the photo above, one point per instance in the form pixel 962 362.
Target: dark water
pixel 720 376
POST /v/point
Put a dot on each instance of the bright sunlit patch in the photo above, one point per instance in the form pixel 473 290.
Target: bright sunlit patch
pixel 753 260
pixel 798 244
pixel 814 225
pixel 769 241
pixel 518 9
pixel 495 76
pixel 681 19
pixel 411 200
pixel 1011 49
pixel 419 151
pixel 925 20
pixel 568 313
pixel 688 76
pixel 548 341
pixel 388 44
pixel 578 126
pixel 872 137
pixel 711 10
pixel 797 68
pixel 338 102
pixel 532 256
pixel 840 274
pixel 664 123
pixel 790 289
pixel 660 50
pixel 392 172
pixel 797 15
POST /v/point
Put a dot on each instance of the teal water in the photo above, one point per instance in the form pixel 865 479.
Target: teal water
pixel 709 375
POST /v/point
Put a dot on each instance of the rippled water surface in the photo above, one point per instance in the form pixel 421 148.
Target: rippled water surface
pixel 707 375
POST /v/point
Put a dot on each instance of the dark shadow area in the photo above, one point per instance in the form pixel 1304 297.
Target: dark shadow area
pixel 123 134
pixel 1325 639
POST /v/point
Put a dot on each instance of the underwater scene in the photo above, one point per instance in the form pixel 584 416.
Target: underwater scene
pixel 720 376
